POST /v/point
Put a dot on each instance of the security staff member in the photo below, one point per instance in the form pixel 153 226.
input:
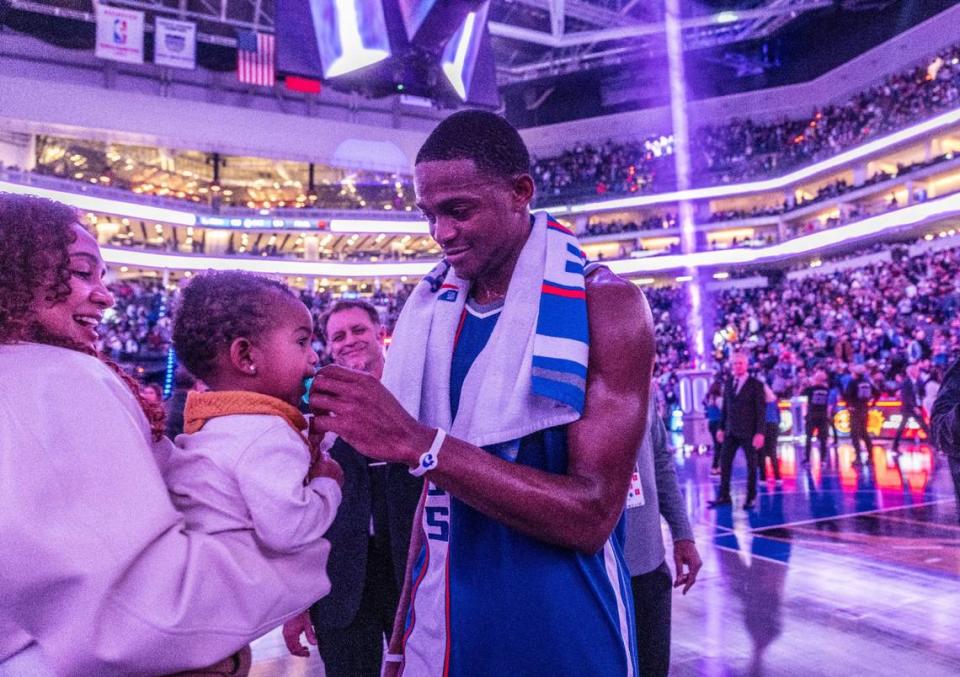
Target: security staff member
pixel 818 417
pixel 860 394
pixel 741 427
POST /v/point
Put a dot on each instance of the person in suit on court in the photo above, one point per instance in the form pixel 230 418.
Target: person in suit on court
pixel 911 396
pixel 742 420
pixel 370 536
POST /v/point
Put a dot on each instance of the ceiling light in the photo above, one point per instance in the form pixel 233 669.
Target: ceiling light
pixel 346 43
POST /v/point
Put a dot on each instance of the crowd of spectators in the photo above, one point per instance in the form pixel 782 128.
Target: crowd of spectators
pixel 744 149
pixel 608 168
pixel 883 315
pixel 651 223
pixel 138 329
pixel 851 212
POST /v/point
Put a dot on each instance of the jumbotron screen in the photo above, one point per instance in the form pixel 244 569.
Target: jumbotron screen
pixel 436 50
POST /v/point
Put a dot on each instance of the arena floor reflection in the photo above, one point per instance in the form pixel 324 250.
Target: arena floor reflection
pixel 847 567
pixel 850 567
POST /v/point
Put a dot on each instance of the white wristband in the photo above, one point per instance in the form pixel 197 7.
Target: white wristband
pixel 393 658
pixel 430 458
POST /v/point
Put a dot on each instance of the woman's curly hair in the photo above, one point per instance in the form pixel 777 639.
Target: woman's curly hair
pixel 217 307
pixel 35 236
pixel 35 239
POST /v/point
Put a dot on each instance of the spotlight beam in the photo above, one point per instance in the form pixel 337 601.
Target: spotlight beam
pixel 681 156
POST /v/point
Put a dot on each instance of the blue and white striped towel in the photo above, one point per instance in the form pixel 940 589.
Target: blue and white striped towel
pixel 532 373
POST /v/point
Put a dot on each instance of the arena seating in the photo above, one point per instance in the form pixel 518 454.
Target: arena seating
pixel 743 149
pixel 838 319
pixel 791 326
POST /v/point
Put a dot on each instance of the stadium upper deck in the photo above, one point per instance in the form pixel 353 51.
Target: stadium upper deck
pixel 855 171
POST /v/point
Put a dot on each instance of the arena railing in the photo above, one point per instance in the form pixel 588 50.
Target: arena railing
pixel 122 203
pixel 887 223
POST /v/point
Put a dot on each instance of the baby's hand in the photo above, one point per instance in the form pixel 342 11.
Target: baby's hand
pixel 315 433
pixel 325 466
pixel 292 629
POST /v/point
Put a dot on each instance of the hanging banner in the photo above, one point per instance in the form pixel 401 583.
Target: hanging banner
pixel 119 34
pixel 175 43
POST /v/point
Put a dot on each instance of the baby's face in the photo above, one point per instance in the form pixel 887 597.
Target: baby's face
pixel 286 356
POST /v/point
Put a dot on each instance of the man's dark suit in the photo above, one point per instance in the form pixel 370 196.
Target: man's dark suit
pixel 741 418
pixel 366 571
pixel 911 395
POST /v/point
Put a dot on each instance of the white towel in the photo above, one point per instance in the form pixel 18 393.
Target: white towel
pixel 497 401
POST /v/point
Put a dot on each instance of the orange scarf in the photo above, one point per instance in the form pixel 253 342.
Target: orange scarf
pixel 201 407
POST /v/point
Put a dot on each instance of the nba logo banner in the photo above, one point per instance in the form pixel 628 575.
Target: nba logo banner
pixel 119 34
pixel 175 43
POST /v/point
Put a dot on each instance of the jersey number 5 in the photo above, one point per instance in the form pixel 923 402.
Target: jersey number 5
pixel 438 521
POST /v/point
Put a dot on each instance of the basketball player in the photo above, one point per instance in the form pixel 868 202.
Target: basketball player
pixel 517 565
pixel 860 394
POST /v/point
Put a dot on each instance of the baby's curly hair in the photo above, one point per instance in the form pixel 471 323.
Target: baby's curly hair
pixel 35 238
pixel 217 307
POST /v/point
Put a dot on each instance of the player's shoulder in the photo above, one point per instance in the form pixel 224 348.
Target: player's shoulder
pixel 606 287
pixel 620 317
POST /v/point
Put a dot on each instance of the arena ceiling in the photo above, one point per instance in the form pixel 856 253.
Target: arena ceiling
pixel 537 38
pixel 532 38
pixel 560 60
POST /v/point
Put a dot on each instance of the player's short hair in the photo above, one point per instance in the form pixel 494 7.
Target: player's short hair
pixel 486 138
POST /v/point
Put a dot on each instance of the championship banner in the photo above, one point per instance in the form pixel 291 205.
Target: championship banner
pixel 119 34
pixel 175 43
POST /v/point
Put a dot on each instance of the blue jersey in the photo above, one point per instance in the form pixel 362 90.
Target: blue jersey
pixel 488 600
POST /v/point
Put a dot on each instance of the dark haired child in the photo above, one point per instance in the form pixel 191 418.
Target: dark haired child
pixel 245 461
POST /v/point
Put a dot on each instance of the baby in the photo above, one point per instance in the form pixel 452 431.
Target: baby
pixel 244 461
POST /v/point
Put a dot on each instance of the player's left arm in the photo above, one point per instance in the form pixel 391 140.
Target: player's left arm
pixel 581 508
pixel 603 443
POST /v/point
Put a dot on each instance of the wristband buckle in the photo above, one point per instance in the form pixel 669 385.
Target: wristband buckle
pixel 430 458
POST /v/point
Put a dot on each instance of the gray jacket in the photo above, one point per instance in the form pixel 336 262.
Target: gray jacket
pixel 643 548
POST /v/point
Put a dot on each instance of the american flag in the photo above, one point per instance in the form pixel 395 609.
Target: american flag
pixel 255 58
